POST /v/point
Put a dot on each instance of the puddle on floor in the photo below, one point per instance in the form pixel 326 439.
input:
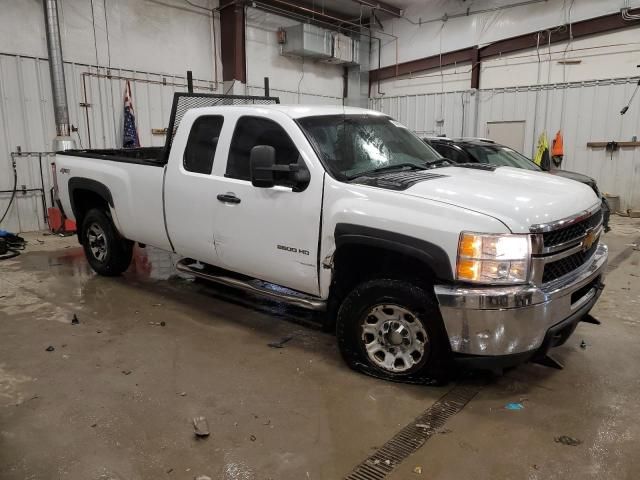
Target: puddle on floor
pixel 22 281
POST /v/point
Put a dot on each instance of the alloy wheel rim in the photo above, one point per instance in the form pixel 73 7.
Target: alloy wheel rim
pixel 394 338
pixel 97 242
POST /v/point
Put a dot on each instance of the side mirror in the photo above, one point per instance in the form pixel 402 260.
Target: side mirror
pixel 300 176
pixel 263 168
pixel 262 161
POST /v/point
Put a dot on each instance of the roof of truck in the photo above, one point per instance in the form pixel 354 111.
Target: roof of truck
pixel 299 111
pixel 466 141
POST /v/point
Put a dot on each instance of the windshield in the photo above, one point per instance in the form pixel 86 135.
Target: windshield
pixel 352 145
pixel 501 156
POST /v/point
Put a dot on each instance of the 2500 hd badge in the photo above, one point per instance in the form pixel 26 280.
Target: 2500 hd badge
pixel 293 249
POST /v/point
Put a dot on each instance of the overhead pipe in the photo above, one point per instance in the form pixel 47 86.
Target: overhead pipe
pixel 63 139
pixel 470 12
pixel 396 12
pixel 292 7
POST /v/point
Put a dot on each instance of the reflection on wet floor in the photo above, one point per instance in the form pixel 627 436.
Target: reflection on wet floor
pixel 148 263
pixel 155 268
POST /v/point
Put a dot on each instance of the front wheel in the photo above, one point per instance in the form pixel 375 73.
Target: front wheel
pixel 107 252
pixel 393 329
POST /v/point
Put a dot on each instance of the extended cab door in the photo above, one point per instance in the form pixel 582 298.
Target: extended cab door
pixel 189 187
pixel 268 233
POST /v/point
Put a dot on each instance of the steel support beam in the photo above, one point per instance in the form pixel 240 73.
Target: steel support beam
pixel 593 26
pixel 232 42
pixel 476 54
pixel 427 63
pixel 475 68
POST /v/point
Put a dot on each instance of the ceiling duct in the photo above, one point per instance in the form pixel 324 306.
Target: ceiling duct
pixel 346 50
pixel 309 41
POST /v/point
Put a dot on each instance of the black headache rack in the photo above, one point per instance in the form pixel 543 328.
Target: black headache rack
pixel 183 101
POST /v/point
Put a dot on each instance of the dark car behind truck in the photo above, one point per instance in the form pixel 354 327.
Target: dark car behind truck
pixel 482 150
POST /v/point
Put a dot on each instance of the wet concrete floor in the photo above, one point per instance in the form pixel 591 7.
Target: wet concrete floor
pixel 115 398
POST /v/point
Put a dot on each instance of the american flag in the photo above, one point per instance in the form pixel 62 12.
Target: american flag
pixel 130 137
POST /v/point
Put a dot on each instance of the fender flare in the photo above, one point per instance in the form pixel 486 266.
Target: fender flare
pixel 426 252
pixel 81 183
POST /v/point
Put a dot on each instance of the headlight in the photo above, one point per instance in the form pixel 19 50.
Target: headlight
pixel 493 258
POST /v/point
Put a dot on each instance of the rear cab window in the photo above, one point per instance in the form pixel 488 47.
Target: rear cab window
pixel 202 144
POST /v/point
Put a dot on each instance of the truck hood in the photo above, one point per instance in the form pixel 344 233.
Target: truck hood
pixel 518 198
pixel 578 177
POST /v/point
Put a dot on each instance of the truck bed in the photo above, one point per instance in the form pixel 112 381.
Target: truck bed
pixel 151 156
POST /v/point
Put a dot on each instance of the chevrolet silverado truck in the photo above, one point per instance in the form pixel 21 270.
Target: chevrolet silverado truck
pixel 416 261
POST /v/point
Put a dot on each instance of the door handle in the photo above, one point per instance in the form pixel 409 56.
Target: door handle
pixel 228 198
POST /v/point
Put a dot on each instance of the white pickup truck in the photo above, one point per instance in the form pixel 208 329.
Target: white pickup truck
pixel 416 261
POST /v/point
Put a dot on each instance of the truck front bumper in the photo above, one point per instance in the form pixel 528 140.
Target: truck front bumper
pixel 516 322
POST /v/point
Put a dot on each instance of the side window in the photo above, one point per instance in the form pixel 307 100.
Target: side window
pixel 252 131
pixel 452 154
pixel 441 149
pixel 461 157
pixel 202 143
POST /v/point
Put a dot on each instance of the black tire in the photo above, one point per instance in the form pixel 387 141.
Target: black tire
pixel 116 255
pixel 399 296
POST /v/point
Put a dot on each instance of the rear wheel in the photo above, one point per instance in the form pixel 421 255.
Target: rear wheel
pixel 393 329
pixel 107 252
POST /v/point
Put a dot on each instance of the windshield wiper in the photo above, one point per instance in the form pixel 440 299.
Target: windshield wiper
pixel 477 166
pixel 440 162
pixel 390 167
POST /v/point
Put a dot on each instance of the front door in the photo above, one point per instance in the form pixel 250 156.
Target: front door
pixel 269 233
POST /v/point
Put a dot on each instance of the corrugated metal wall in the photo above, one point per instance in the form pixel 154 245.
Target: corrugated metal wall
pixel 26 119
pixel 591 113
pixel 450 113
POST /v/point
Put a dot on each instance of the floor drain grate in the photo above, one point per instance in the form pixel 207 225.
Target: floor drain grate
pixel 413 436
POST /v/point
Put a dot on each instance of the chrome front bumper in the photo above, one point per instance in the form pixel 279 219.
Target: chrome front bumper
pixel 510 320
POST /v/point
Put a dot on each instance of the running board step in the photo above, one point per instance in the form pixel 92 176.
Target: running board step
pixel 282 294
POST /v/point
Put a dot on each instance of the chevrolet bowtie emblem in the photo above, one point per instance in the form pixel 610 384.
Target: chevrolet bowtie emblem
pixel 589 240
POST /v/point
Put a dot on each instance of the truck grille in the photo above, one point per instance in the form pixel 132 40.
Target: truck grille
pixel 555 252
pixel 571 232
pixel 560 268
